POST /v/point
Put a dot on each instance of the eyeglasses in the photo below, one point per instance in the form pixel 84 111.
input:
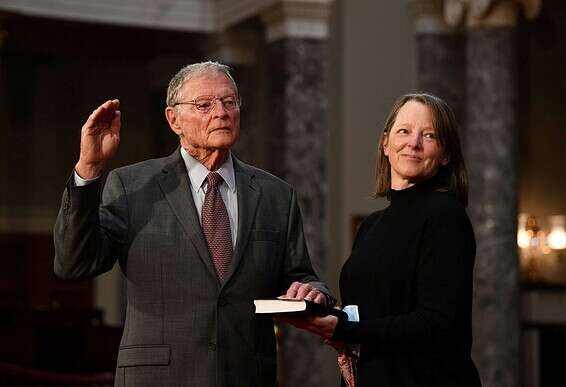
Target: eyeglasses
pixel 205 103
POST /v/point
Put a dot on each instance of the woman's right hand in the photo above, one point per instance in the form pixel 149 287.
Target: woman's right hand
pixel 100 136
pixel 323 326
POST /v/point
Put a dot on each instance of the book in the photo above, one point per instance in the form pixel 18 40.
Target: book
pixel 293 306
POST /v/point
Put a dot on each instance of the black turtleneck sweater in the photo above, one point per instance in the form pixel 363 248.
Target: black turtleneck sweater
pixel 410 273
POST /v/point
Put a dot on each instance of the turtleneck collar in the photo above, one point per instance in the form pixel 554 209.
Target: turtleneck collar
pixel 411 194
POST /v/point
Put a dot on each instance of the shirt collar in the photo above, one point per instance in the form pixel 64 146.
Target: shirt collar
pixel 198 172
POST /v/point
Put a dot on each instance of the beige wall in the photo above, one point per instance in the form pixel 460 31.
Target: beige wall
pixel 371 63
pixel 372 51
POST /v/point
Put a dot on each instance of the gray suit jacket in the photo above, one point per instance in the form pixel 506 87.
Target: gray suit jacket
pixel 184 328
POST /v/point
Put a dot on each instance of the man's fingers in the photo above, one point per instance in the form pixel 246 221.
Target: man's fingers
pixel 106 115
pixel 115 124
pixel 320 298
pixel 304 290
pixel 311 295
pixel 316 296
pixel 107 111
pixel 307 292
pixel 110 105
pixel 292 291
pixel 113 106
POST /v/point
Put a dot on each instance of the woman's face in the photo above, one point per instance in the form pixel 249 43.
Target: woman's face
pixel 412 146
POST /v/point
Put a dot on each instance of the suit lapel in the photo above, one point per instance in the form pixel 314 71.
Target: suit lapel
pixel 174 182
pixel 248 198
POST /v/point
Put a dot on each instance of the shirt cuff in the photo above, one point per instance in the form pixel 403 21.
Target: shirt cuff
pixel 79 181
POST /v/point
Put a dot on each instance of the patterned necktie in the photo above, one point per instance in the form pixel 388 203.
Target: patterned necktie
pixel 216 227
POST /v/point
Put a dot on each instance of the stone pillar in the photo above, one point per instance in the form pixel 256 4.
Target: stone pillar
pixel 441 51
pixel 492 137
pixel 296 116
pixel 492 165
pixel 237 47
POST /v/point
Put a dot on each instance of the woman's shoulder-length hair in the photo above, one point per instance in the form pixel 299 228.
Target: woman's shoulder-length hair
pixel 452 177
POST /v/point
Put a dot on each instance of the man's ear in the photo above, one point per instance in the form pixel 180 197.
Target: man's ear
pixel 171 115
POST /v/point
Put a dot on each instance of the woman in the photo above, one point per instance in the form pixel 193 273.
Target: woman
pixel 410 270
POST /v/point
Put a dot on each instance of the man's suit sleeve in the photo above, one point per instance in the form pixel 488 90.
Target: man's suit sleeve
pixel 89 237
pixel 298 265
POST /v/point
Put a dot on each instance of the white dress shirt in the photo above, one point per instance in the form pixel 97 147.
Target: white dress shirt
pixel 197 175
pixel 199 184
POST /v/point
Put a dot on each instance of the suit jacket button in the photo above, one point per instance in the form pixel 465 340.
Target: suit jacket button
pixel 222 301
pixel 212 346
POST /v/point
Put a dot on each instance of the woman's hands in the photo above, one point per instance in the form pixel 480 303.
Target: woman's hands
pixel 322 326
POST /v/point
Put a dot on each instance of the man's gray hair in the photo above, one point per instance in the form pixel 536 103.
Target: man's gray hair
pixel 189 71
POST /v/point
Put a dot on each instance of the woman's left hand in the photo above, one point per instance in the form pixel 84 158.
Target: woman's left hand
pixel 323 326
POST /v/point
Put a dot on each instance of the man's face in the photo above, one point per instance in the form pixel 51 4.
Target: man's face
pixel 219 128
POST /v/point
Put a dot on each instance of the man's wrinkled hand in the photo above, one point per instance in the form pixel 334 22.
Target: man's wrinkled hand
pixel 305 291
pixel 100 136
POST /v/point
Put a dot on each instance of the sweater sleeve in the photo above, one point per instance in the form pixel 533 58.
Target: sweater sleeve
pixel 443 282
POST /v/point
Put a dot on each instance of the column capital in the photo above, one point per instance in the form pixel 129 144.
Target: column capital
pixel 297 19
pixel 235 46
pixel 428 16
pixel 489 13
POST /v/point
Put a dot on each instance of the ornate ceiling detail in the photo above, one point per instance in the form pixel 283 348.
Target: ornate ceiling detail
pixel 480 8
pixel 306 18
pixel 179 15
pixel 297 19
pixel 454 12
pixel 429 16
pixel 488 13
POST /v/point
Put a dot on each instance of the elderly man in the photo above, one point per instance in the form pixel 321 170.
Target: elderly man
pixel 198 236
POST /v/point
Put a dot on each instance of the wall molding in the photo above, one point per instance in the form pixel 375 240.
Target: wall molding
pixel 181 15
pixel 283 18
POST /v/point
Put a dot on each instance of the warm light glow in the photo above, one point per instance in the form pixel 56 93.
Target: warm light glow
pixel 557 237
pixel 542 250
pixel 523 238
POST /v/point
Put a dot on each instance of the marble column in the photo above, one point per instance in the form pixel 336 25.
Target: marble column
pixel 492 165
pixel 492 151
pixel 237 48
pixel 296 116
pixel 440 49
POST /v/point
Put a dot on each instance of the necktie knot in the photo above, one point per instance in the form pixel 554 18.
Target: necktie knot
pixel 214 180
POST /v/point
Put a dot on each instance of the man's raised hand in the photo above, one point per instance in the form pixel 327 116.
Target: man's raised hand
pixel 100 136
